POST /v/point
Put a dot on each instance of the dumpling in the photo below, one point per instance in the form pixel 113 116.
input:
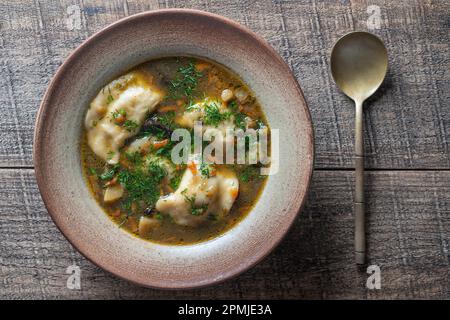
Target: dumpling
pixel 200 197
pixel 223 119
pixel 217 124
pixel 117 113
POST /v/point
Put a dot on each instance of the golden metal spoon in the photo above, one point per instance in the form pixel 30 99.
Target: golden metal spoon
pixel 358 65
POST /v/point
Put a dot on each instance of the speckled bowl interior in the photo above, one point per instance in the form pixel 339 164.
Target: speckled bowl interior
pixel 116 49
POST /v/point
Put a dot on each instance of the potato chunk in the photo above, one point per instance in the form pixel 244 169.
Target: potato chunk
pixel 113 193
pixel 227 95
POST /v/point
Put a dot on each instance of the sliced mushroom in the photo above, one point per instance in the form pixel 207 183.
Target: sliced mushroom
pixel 153 122
pixel 241 94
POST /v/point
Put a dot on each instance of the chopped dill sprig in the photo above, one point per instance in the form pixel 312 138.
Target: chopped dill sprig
pixel 185 83
pixel 213 116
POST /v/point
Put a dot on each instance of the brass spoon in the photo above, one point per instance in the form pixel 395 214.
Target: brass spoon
pixel 358 65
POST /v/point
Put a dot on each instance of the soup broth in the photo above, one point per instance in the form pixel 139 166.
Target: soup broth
pixel 126 150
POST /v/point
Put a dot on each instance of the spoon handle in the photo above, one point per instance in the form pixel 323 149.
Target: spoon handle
pixel 360 235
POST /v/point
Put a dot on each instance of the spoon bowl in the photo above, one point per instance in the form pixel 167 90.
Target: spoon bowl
pixel 358 64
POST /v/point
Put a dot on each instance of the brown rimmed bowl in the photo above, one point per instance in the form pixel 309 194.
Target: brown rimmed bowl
pixel 109 53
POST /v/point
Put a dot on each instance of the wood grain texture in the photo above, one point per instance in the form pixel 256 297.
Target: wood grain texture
pixel 409 225
pixel 407 122
pixel 407 127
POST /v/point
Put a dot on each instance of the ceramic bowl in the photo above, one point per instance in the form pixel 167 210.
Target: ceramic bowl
pixel 114 50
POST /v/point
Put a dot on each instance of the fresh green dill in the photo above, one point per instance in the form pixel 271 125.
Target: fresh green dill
pixel 213 116
pixel 109 99
pixel 190 199
pixel 198 211
pixel 185 82
pixel 158 133
pixel 120 119
pixel 120 112
pixel 166 150
pixel 195 211
pixel 249 173
pixel 157 171
pixel 140 186
pixel 134 157
pixel 167 119
pixel 109 173
pixel 233 106
pixel 239 117
pixel 126 205
pixel 175 182
pixel 245 176
pixel 110 155
pixel 92 171
pixel 206 170
pixel 239 120
pixel 130 125
pixel 191 106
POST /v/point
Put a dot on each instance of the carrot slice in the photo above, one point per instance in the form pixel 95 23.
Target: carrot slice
pixel 234 192
pixel 120 119
pixel 201 66
pixel 160 144
pixel 111 182
pixel 192 166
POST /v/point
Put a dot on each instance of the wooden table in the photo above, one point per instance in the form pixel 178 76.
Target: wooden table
pixel 407 147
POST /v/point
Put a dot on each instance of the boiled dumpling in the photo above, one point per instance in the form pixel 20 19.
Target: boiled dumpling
pixel 117 113
pixel 200 197
pixel 198 112
pixel 218 129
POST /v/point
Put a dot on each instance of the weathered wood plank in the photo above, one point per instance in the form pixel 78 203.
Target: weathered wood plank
pixel 409 234
pixel 407 122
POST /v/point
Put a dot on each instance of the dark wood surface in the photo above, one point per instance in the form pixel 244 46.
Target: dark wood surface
pixel 407 148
